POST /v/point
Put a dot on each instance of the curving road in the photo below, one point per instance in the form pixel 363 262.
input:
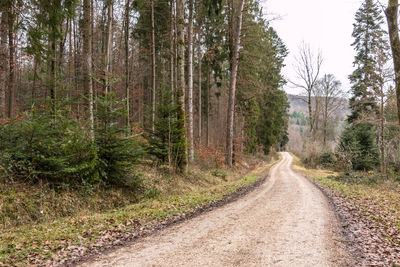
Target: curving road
pixel 287 221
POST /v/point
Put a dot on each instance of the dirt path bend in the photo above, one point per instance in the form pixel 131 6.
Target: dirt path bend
pixel 287 221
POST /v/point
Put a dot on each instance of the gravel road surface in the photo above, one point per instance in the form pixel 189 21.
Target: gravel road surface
pixel 286 221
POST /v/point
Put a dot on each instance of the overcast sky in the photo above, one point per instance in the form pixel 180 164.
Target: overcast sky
pixel 324 24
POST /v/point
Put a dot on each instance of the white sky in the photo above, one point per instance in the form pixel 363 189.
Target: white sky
pixel 324 24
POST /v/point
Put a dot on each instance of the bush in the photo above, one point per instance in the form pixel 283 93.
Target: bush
pixel 48 146
pixel 327 158
pixel 55 147
pixel 117 150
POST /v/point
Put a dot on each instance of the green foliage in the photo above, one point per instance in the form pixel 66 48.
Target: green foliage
pixel 165 142
pixel 358 145
pixel 116 150
pixel 272 125
pixel 263 105
pixel 49 146
pixel 369 38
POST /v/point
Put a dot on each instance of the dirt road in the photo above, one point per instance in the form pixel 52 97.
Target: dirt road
pixel 287 221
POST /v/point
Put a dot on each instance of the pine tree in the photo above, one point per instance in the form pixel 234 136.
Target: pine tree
pixel 358 140
pixel 368 38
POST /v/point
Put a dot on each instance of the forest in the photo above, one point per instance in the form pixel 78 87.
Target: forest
pixel 90 88
pixel 121 118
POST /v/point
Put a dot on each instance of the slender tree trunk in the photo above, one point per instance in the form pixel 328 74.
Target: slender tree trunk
pixel 392 18
pixel 171 47
pixel 11 61
pixel 180 14
pixel 127 67
pixel 108 46
pixel 153 68
pixel 232 88
pixel 382 132
pixel 190 82
pixel 208 103
pixel 325 118
pixel 87 63
pixel 310 114
pixel 199 90
pixel 3 63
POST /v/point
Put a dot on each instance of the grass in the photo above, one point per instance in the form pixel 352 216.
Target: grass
pixel 38 242
pixel 377 198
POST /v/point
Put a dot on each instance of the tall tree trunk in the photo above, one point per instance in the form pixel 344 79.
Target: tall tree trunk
pixel 127 67
pixel 153 68
pixel 180 18
pixel 199 58
pixel 208 103
pixel 108 46
pixel 232 88
pixel 190 82
pixel 392 18
pixel 3 63
pixel 11 61
pixel 87 63
pixel 171 46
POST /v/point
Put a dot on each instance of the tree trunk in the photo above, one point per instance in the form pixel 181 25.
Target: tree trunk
pixel 190 82
pixel 382 132
pixel 153 68
pixel 208 104
pixel 11 67
pixel 108 46
pixel 127 67
pixel 392 18
pixel 3 63
pixel 171 47
pixel 232 88
pixel 87 62
pixel 180 18
pixel 199 90
pixel 310 114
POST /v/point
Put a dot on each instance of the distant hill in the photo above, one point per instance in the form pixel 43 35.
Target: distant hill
pixel 299 104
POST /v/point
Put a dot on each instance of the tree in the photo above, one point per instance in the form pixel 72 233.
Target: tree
pixel 232 87
pixel 3 61
pixel 87 63
pixel 358 140
pixel 391 12
pixel 180 14
pixel 330 93
pixel 190 82
pixel 368 37
pixel 308 67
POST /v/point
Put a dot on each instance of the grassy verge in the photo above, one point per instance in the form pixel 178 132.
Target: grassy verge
pixel 55 239
pixel 376 198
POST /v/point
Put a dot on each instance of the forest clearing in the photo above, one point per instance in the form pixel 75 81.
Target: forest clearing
pixel 199 133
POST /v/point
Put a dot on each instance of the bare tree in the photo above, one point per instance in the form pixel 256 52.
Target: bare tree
pixel 232 87
pixel 330 95
pixel 391 12
pixel 308 67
